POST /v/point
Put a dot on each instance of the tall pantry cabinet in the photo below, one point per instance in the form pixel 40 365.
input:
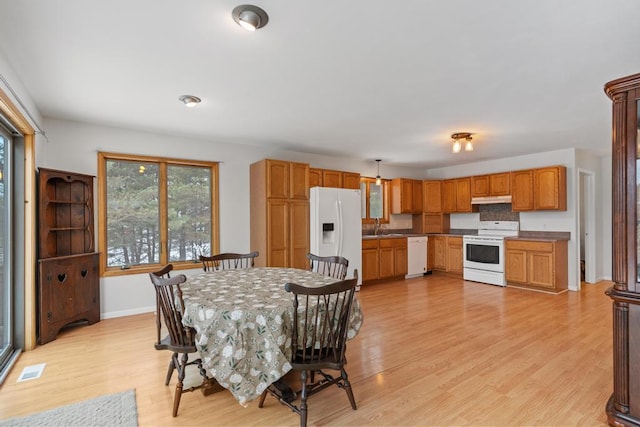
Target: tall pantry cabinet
pixel 68 278
pixel 280 213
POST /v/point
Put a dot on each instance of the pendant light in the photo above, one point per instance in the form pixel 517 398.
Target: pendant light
pixel 378 178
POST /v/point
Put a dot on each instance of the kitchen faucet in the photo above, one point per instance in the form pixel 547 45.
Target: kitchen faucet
pixel 376 228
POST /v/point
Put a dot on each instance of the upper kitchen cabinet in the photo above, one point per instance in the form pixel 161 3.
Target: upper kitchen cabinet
pixel 550 188
pixel 279 205
pixel 315 177
pixel 432 196
pixel 539 189
pixel 623 408
pixel 351 180
pixel 456 195
pixel 286 179
pixel 406 196
pixel 497 184
pixel 333 178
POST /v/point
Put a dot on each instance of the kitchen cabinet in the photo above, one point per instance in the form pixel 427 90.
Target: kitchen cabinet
pixel 439 252
pixel 393 257
pixel 454 254
pixel 370 260
pixel 447 253
pixel 431 258
pixel 429 223
pixel 333 178
pixel 550 188
pixel 351 180
pixel 497 184
pixel 406 196
pixel 315 177
pixel 68 281
pixel 623 407
pixel 522 190
pixel 384 258
pixel 456 195
pixel 432 197
pixel 279 203
pixel 539 189
pixel 540 265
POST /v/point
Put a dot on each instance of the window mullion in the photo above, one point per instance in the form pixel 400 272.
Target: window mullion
pixel 163 212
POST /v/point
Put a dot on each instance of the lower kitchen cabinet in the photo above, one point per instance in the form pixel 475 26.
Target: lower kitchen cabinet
pixel 447 253
pixel 384 258
pixel 540 265
pixel 370 260
pixel 454 255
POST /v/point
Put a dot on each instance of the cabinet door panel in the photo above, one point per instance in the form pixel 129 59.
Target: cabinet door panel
pixel 448 196
pixel 277 179
pixel 432 197
pixel 299 181
pixel 369 264
pixel 315 177
pixel 522 190
pixel 387 264
pixel 351 180
pixel 331 178
pixel 454 254
pixel 500 184
pixel 439 253
pixel 515 266
pixel 277 233
pixel 480 186
pixel 550 188
pixel 463 195
pixel 401 261
pixel 541 269
pixel 299 234
pixel 417 197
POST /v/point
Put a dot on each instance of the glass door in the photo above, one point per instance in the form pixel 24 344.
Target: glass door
pixel 6 287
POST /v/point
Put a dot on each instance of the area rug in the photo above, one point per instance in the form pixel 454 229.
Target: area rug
pixel 111 410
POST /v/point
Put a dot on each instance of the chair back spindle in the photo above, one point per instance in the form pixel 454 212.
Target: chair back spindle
pixel 228 261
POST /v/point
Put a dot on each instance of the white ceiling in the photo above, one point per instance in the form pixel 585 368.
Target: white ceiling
pixel 367 79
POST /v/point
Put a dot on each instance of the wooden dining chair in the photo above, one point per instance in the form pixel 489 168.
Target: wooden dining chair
pixel 332 266
pixel 228 261
pixel 180 339
pixel 321 323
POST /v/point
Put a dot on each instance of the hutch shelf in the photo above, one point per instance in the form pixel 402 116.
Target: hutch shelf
pixel 68 278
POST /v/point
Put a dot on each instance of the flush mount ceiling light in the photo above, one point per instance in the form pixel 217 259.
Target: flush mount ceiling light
pixel 457 145
pixel 250 17
pixel 378 178
pixel 190 100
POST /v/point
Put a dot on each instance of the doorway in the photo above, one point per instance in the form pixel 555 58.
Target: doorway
pixel 586 226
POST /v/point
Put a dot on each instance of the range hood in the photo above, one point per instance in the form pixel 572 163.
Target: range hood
pixel 490 200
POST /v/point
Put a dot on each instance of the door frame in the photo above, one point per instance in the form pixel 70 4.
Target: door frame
pixel 589 207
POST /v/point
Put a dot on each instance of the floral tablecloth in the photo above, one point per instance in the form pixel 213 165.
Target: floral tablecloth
pixel 243 323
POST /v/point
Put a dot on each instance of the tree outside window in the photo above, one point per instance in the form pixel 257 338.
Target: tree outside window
pixel 155 211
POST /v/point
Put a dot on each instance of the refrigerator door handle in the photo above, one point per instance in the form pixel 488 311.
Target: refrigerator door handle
pixel 340 227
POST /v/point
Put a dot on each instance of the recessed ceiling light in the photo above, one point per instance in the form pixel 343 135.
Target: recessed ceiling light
pixel 190 100
pixel 250 17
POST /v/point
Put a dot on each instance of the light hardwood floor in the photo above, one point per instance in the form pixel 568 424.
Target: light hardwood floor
pixel 432 351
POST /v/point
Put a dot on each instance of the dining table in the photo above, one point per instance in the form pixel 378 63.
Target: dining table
pixel 243 320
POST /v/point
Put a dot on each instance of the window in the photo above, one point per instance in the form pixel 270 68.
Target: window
pixel 375 198
pixel 154 211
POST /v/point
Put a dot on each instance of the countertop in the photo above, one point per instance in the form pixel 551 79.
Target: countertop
pixel 523 235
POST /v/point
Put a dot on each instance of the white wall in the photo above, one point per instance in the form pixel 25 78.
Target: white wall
pixel 74 146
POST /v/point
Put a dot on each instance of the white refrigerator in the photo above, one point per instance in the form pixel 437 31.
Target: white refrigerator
pixel 336 225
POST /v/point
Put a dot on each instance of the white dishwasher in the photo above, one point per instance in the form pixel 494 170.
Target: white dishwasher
pixel 417 256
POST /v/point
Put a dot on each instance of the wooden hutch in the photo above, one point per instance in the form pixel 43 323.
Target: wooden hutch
pixel 68 278
pixel 623 408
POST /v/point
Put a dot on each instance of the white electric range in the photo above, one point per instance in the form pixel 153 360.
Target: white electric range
pixel 483 254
